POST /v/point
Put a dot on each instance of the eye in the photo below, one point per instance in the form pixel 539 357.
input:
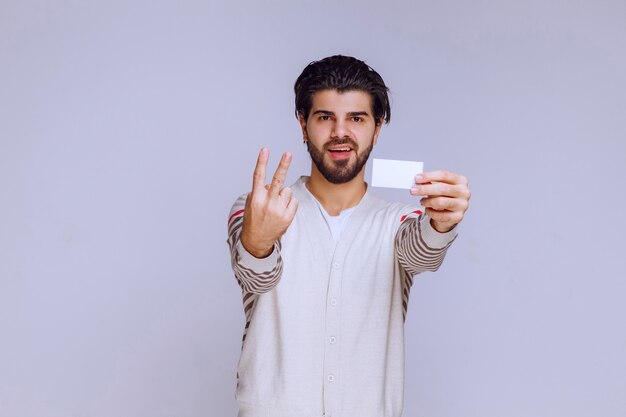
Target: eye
pixel 324 117
pixel 357 119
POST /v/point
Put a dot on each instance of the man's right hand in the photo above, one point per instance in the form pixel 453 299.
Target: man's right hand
pixel 269 209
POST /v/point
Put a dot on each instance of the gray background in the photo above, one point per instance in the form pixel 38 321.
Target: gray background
pixel 128 129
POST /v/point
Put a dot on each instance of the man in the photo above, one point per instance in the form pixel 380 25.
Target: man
pixel 326 267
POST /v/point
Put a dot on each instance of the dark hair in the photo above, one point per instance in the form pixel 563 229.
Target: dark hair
pixel 341 73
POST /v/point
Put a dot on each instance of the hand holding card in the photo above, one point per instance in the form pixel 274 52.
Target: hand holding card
pixel 445 197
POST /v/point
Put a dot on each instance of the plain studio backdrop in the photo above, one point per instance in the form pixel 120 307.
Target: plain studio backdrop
pixel 127 130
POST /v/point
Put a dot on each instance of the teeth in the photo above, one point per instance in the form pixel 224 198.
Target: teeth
pixel 340 150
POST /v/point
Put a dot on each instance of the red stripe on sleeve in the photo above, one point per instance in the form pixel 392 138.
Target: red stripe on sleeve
pixel 235 214
pixel 403 218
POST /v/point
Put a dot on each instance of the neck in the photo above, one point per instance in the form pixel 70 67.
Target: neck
pixel 336 197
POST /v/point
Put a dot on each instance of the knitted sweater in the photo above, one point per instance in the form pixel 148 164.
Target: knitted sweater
pixel 324 333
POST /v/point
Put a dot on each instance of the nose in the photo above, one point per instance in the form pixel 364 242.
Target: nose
pixel 340 129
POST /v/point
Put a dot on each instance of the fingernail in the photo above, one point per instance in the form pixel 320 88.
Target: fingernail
pixel 415 190
pixel 419 177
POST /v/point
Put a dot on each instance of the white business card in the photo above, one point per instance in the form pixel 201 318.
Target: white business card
pixel 395 174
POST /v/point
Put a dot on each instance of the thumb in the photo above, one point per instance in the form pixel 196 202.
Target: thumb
pixel 292 207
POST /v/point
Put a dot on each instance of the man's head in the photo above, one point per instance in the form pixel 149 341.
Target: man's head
pixel 341 104
pixel 341 73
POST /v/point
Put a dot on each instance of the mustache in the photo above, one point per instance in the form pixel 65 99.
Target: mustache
pixel 342 141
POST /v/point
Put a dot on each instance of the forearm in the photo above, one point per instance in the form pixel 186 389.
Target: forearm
pixel 254 275
pixel 419 247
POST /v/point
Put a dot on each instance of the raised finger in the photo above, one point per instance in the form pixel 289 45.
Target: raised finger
pixel 440 176
pixel 280 175
pixel 258 179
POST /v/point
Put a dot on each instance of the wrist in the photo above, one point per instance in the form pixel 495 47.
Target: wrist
pixel 258 251
pixel 442 227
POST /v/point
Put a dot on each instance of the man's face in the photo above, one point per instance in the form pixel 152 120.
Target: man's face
pixel 340 133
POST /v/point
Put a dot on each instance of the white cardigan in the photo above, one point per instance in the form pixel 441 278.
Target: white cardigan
pixel 324 332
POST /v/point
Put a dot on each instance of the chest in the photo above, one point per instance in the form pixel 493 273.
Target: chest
pixel 363 259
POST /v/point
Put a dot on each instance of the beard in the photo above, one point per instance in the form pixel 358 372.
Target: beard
pixel 343 170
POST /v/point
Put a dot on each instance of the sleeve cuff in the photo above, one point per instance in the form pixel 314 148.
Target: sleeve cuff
pixel 258 265
pixel 433 238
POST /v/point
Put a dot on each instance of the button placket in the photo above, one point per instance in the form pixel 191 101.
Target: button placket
pixel 332 333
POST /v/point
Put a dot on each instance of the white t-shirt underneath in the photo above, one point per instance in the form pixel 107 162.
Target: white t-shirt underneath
pixel 336 224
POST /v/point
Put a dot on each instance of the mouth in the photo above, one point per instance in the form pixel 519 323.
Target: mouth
pixel 340 152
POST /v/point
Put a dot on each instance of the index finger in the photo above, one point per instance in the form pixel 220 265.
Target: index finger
pixel 258 178
pixel 440 176
pixel 280 175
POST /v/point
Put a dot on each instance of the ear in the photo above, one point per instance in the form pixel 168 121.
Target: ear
pixel 379 125
pixel 302 122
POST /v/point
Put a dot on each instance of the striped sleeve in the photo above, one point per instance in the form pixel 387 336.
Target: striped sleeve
pixel 419 247
pixel 254 275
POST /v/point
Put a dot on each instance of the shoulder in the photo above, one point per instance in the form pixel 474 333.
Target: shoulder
pixel 299 187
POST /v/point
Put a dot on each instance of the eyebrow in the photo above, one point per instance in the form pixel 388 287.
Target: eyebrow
pixel 351 114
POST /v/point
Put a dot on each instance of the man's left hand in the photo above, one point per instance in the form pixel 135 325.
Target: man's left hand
pixel 446 197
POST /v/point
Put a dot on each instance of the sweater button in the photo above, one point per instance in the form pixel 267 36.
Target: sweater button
pixel 332 339
pixel 331 378
pixel 333 301
pixel 336 265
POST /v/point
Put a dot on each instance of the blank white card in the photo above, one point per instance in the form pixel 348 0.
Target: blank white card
pixel 395 174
